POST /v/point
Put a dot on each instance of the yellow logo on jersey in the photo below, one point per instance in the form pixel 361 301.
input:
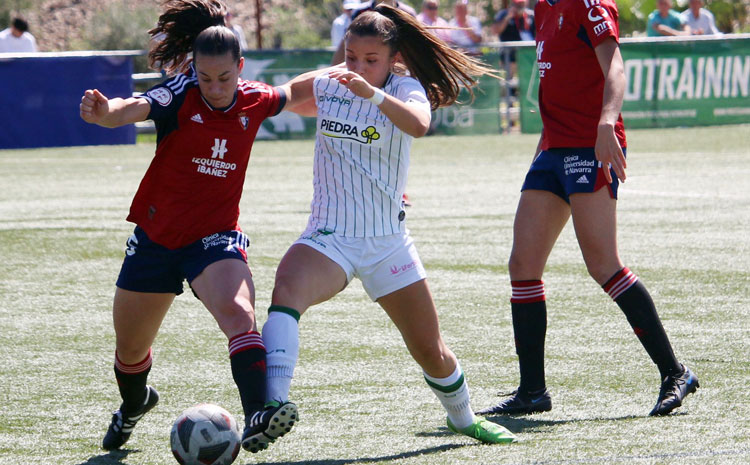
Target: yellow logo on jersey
pixel 371 134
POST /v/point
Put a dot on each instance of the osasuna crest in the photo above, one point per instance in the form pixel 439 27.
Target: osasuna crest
pixel 244 121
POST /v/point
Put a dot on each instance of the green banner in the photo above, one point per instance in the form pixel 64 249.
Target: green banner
pixel 276 67
pixel 670 83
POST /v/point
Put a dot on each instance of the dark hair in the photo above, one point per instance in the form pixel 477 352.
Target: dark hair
pixel 191 26
pixel 20 24
pixel 441 70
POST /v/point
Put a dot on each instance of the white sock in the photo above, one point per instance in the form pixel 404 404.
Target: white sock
pixel 281 338
pixel 453 393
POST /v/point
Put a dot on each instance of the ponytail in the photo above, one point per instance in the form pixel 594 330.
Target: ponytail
pixel 188 26
pixel 441 70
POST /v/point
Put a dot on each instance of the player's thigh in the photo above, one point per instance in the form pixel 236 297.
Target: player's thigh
pixel 306 277
pixel 137 317
pixel 540 217
pixel 595 222
pixel 413 311
pixel 226 289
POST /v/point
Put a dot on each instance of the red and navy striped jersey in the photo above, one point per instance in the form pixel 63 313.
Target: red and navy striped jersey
pixel 571 83
pixel 193 186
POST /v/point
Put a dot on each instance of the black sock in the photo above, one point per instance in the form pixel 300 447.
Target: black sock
pixel 635 302
pixel 247 354
pixel 529 310
pixel 131 380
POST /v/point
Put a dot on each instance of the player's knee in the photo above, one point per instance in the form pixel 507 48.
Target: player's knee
pixel 131 352
pixel 288 294
pixel 234 316
pixel 433 357
pixel 521 268
pixel 601 268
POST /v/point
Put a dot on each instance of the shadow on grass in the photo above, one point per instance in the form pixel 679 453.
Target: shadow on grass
pixel 519 424
pixel 385 458
pixel 111 458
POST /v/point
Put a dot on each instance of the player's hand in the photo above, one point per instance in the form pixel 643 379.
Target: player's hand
pixel 94 106
pixel 354 82
pixel 609 152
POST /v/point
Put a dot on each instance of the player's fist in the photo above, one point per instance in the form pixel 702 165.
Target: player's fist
pixel 94 106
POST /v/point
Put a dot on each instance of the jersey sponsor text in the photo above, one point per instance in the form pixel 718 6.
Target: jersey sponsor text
pixel 573 165
pixel 349 130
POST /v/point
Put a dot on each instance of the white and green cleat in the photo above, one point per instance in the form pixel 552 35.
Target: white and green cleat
pixel 485 431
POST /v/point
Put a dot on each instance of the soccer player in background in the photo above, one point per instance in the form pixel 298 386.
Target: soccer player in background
pixel 186 209
pixel 367 116
pixel 575 171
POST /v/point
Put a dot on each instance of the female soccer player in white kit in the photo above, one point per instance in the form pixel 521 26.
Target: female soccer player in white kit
pixel 367 118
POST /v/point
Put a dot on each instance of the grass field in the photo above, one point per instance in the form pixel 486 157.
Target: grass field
pixel 684 229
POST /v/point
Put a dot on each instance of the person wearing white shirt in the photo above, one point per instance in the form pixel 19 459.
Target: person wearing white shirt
pixel 338 28
pixel 430 18
pixel 237 30
pixel 699 20
pixel 368 112
pixel 17 38
pixel 470 33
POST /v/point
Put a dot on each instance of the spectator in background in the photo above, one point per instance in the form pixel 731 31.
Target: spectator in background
pixel 338 28
pixel 237 30
pixel 664 21
pixel 512 24
pixel 699 20
pixel 429 17
pixel 338 56
pixel 470 33
pixel 17 38
pixel 367 6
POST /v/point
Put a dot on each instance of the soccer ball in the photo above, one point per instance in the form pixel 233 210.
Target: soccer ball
pixel 205 435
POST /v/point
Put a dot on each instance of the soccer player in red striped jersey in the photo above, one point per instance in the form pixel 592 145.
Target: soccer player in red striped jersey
pixel 186 210
pixel 576 170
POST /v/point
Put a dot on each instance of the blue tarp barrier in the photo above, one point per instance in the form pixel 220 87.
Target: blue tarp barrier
pixel 40 95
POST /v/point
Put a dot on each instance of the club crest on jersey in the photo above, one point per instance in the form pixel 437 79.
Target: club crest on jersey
pixel 560 21
pixel 342 129
pixel 161 95
pixel 244 121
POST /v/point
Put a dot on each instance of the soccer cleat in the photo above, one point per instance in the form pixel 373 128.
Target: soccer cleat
pixel 521 403
pixel 264 426
pixel 673 389
pixel 123 423
pixel 485 431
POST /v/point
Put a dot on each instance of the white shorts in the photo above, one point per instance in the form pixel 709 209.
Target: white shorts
pixel 384 264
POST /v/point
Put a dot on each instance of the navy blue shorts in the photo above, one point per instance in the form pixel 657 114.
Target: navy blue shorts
pixel 569 171
pixel 150 267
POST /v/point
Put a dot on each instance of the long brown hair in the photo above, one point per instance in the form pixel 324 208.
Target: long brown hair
pixel 441 70
pixel 190 26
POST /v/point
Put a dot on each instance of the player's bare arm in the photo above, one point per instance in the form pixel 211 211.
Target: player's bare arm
pixel 607 148
pixel 299 92
pixel 96 108
pixel 411 119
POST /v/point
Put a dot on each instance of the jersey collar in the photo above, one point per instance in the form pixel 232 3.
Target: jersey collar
pixel 225 109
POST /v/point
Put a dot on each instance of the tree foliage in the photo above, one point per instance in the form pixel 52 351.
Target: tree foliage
pixel 122 24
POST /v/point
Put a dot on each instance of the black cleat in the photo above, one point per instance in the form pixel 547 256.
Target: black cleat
pixel 521 403
pixel 673 389
pixel 264 426
pixel 124 422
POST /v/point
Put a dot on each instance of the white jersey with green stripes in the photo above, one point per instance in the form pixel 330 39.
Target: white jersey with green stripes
pixel 361 160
